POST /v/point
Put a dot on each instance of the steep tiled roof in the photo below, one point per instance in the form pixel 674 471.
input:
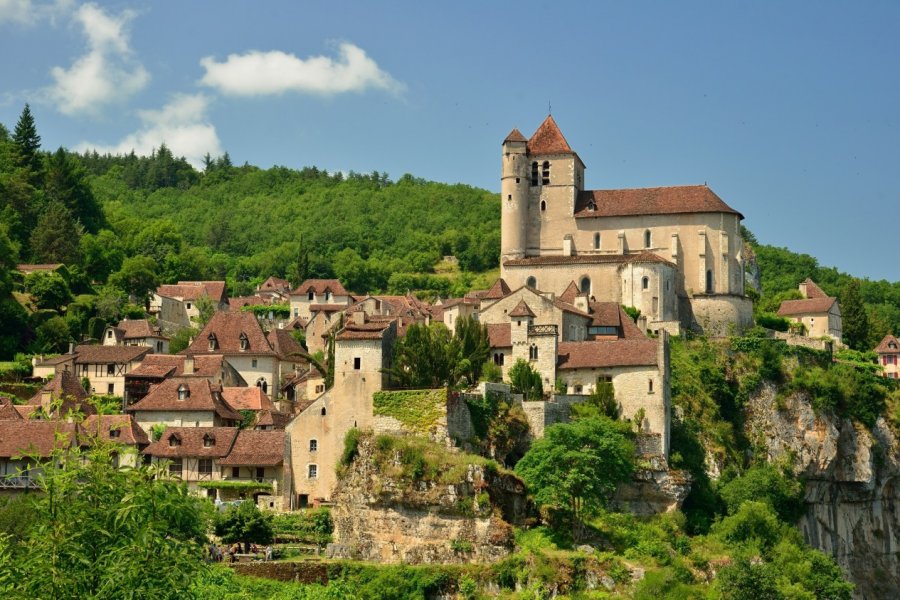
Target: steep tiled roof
pixel 138 328
pixel 812 290
pixel 571 292
pixel 191 439
pixel 227 328
pixel 326 308
pixel 500 335
pixel 365 331
pixel 164 365
pixel 130 432
pixel 8 410
pixel 201 397
pixel 286 346
pixel 521 310
pixel 274 284
pixel 602 353
pixel 276 419
pixel 585 259
pixel 629 327
pixel 320 286
pixel 548 139
pixel 650 201
pixel 256 448
pixel 569 308
pixel 515 136
pixel 242 301
pixel 192 290
pixel 805 306
pixel 64 386
pixel 499 290
pixel 605 314
pixel 247 398
pixel 94 354
pixel 18 438
pixel 884 348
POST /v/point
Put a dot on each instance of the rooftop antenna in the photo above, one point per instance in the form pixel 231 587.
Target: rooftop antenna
pixel 549 108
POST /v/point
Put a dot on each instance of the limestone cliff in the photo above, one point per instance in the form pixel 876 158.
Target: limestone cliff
pixel 852 490
pixel 382 515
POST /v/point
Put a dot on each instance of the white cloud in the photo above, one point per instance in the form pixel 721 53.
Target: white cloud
pixel 106 73
pixel 26 12
pixel 264 73
pixel 181 125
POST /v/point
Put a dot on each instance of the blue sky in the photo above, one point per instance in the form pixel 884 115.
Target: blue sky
pixel 789 111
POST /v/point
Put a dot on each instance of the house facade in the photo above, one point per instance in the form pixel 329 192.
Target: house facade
pixel 817 312
pixel 106 366
pixel 888 352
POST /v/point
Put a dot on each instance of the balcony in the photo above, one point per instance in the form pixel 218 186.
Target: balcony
pixel 17 482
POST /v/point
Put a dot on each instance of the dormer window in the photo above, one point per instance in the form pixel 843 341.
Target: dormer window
pixel 115 433
pixel 245 343
pixel 591 206
pixel 174 441
pixel 892 345
pixel 184 392
pixel 209 441
pixel 310 296
pixel 327 296
pixel 109 334
pixel 213 342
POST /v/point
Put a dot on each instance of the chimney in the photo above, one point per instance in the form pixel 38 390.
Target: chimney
pixel 188 365
pixel 581 302
pixel 802 288
pixel 359 318
pixel 71 348
pixel 568 245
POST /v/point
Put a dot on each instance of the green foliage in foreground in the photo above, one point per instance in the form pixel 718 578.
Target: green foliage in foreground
pixel 244 523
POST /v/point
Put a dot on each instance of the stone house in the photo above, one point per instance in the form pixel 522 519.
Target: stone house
pixel 156 368
pixel 175 305
pixel 888 352
pixel 119 429
pixel 275 290
pixel 193 454
pixel 819 313
pixel 239 338
pixel 46 368
pixel 24 445
pixel 184 402
pixel 317 292
pixel 267 416
pixel 58 398
pixel 136 332
pixel 316 435
pixel 106 366
pixel 677 252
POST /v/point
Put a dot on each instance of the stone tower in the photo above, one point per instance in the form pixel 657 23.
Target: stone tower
pixel 514 197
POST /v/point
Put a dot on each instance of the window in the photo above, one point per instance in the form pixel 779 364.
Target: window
pixel 647 239
pixel 235 472
pixel 313 471
pixel 260 473
pixel 531 282
pixel 204 466
pixel 709 282
pixel 114 433
pixel 645 283
pixel 327 296
pixel 188 305
pixel 213 342
pixel 603 330
pixel 596 241
pixel 543 205
pixel 111 369
pixel 533 352
pixel 545 173
pixel 110 389
pixel 313 445
pixel 159 347
pixel 175 467
pixel 174 441
pixel 320 388
pixel 357 363
pixel 650 386
pixel 262 384
pixel 303 500
pixel 585 285
pixel 534 173
pixel 323 411
pixel 109 334
pixel 183 392
pixel 245 343
pixel 209 441
pixel 578 389
pixel 254 363
pixel 296 312
pixel 311 296
pixel 509 196
pixel 498 359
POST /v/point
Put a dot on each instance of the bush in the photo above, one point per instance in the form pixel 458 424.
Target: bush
pixel 766 483
pixel 772 321
pixel 244 523
pixel 351 447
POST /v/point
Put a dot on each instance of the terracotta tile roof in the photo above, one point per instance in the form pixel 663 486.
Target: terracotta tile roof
pixel 67 387
pixel 521 310
pixel 56 360
pixel 500 289
pixel 365 331
pixel 242 301
pixel 18 438
pixel 138 328
pixel 569 308
pixel 247 398
pixel 885 348
pixel 276 419
pixel 571 292
pixel 8 410
pixel 320 286
pixel 227 328
pixel 275 284
pixel 201 397
pixel 256 448
pixel 587 259
pixel 805 306
pixel 192 442
pixel 165 365
pixel 646 257
pixel 130 433
pixel 548 139
pixel 286 346
pixel 500 335
pixel 814 291
pixel 606 353
pixel 515 136
pixel 96 354
pixel 650 201
pixel 192 290
pixel 327 308
pixel 630 329
pixel 605 314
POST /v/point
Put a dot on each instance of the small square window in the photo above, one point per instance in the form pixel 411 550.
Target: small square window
pixel 313 471
pixel 188 306
pixel 253 363
pixel 313 445
pixel 235 472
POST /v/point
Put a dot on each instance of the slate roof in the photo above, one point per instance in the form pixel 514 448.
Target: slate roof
pixel 130 433
pixel 500 335
pixel 320 286
pixel 192 442
pixel 18 438
pixel 500 289
pixel 651 201
pixel 227 328
pixel 256 448
pixel 201 397
pixel 96 354
pixel 548 139
pixel 606 353
pixel 521 310
pixel 884 348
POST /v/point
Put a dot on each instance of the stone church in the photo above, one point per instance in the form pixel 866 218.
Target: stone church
pixel 674 253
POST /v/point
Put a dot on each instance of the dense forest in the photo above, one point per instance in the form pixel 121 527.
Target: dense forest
pixel 124 224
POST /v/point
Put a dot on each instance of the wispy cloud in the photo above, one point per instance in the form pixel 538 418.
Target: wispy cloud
pixel 258 73
pixel 27 12
pixel 106 73
pixel 181 125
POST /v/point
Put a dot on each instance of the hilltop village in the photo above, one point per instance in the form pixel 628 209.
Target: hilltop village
pixel 267 400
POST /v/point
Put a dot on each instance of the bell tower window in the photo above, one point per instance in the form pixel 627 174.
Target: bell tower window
pixel 647 239
pixel 534 173
pixel 585 285
pixel 545 173
pixel 531 282
pixel 596 241
pixel 709 282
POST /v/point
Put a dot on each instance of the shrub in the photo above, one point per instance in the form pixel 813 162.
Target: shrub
pixel 765 483
pixel 351 447
pixel 772 321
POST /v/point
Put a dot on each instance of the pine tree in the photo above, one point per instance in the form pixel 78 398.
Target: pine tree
pixel 65 183
pixel 56 237
pixel 854 317
pixel 28 144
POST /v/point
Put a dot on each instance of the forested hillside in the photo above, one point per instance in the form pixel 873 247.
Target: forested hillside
pixel 124 224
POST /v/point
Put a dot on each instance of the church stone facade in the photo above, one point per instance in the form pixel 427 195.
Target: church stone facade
pixel 675 253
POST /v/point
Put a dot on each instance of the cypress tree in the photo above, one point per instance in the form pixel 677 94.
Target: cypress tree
pixel 855 321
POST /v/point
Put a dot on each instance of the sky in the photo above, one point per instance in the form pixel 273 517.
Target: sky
pixel 789 111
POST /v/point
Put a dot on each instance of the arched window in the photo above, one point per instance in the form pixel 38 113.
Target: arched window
pixel 709 282
pixel 323 411
pixel 531 282
pixel 596 241
pixel 545 173
pixel 645 283
pixel 647 239
pixel 534 173
pixel 263 385
pixel 585 285
pixel 245 341
pixel 533 352
pixel 543 205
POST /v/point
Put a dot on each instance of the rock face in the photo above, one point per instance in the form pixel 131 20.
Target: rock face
pixel 382 519
pixel 852 485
